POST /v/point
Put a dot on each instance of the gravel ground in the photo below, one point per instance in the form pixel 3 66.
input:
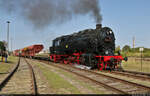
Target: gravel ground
pixel 143 82
pixel 20 83
pixel 83 85
pixel 42 84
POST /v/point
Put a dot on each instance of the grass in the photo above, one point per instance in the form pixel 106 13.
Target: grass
pixel 136 54
pixel 87 85
pixel 57 83
pixel 135 65
pixel 81 82
pixel 5 67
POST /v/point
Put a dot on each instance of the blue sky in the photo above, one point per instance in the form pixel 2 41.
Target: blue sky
pixel 127 18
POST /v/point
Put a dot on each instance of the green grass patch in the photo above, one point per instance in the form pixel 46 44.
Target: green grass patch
pixel 85 84
pixel 135 65
pixel 135 54
pixel 81 82
pixel 5 67
pixel 58 83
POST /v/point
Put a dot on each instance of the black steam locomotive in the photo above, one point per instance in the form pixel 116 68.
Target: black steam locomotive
pixel 91 47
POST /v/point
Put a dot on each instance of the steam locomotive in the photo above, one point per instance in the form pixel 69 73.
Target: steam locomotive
pixel 91 47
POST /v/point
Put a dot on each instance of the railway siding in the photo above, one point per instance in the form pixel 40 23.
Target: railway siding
pixel 116 83
pixel 57 84
pixel 20 81
pixel 79 82
pixel 138 76
pixel 6 68
pixel 130 79
pixel 42 84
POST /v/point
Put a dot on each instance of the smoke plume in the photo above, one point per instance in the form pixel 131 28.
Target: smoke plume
pixel 42 13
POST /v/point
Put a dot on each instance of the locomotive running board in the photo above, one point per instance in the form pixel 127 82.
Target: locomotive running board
pixel 82 66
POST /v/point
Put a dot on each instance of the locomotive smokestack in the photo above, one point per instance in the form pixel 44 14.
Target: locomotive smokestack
pixel 98 26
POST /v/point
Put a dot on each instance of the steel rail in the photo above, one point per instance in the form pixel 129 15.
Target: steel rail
pixel 4 82
pixel 112 78
pixel 95 81
pixel 131 75
pixel 134 72
pixel 120 80
pixel 34 85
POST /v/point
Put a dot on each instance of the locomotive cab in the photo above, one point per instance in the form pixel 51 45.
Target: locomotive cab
pixel 56 47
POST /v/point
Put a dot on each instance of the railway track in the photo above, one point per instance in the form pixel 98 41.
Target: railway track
pixel 131 74
pixel 114 84
pixel 134 72
pixel 7 78
pixel 34 85
pixel 20 80
pixel 42 85
pixel 2 76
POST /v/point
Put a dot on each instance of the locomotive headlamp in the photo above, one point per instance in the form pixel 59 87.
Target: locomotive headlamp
pixel 106 52
pixel 110 32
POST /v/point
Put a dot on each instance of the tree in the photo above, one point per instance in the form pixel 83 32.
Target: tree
pixel 126 48
pixel 2 46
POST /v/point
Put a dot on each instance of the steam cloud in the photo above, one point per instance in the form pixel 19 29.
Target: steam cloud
pixel 45 12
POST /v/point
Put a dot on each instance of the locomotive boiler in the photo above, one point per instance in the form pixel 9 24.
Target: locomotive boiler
pixel 91 47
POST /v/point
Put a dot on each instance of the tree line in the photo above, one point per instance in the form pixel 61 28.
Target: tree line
pixel 2 46
pixel 128 51
pixel 127 48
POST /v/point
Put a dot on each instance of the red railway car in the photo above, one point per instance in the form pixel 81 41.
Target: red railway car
pixel 16 52
pixel 29 51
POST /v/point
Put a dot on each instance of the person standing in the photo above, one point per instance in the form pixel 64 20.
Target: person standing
pixel 6 56
pixel 2 54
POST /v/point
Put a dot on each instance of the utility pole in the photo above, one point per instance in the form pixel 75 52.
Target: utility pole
pixel 141 51
pixel 8 36
pixel 11 43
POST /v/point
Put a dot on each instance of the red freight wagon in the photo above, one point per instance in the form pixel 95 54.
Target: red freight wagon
pixel 16 52
pixel 30 51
